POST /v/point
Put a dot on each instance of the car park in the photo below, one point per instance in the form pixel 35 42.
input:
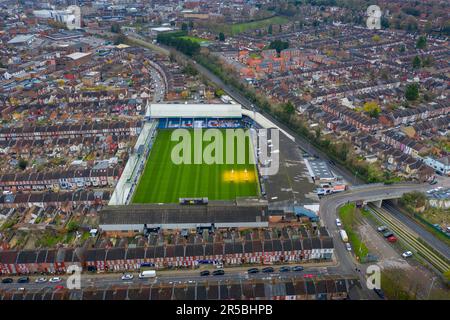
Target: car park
pixel 219 272
pixel 127 276
pixel 407 254
pixel 205 273
pixel 268 270
pixel 7 280
pixel 23 280
pixel 253 270
pixel 298 268
pixel 285 269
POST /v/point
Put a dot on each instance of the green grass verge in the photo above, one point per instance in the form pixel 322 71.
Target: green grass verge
pixel 243 27
pixel 347 214
pixel 194 39
pixel 163 181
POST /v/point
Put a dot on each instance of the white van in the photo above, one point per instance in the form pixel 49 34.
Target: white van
pixel 147 274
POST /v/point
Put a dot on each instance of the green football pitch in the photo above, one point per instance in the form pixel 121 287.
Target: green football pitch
pixel 163 181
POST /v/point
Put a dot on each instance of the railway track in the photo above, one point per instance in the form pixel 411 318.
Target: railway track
pixel 410 238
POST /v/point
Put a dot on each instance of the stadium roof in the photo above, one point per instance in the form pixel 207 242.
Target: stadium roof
pixel 155 214
pixel 194 111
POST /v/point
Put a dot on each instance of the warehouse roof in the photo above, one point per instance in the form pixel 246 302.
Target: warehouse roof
pixel 161 110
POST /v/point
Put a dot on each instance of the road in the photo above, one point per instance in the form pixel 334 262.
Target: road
pixel 104 280
pixel 421 232
pixel 409 238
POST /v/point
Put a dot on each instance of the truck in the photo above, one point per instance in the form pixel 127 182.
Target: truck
pixel 344 236
pixel 147 274
pixel 339 188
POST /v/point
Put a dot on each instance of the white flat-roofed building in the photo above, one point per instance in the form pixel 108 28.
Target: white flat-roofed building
pixel 78 55
pixel 194 111
pixel 22 39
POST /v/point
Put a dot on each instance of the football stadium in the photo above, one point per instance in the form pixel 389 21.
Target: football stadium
pixel 163 181
pixel 182 174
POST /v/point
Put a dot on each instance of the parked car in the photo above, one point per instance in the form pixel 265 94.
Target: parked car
pixel 298 268
pixel 338 223
pixel 388 234
pixel 407 254
pixel 127 276
pixel 285 269
pixel 382 228
pixel 253 270
pixel 59 287
pixel 392 239
pixel 23 280
pixel 205 273
pixel 308 276
pixel 268 270
pixel 41 280
pixel 348 246
pixel 433 182
pixel 92 268
pixel 379 293
pixel 7 280
pixel 55 280
pixel 219 272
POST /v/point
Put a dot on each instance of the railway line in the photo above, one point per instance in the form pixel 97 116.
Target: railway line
pixel 410 238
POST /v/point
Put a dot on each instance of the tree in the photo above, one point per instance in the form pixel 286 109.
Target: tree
pixel 184 27
pixel 115 28
pixel 318 133
pixel 121 38
pixel 22 164
pixel 269 31
pixel 72 226
pixel 412 92
pixel 288 108
pixel 279 45
pixel 185 94
pixel 221 37
pixel 384 23
pixel 421 42
pixel 416 62
pixel 372 109
pixel 190 70
pixel 219 93
pixel 413 199
pixel 376 38
pixel 427 61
